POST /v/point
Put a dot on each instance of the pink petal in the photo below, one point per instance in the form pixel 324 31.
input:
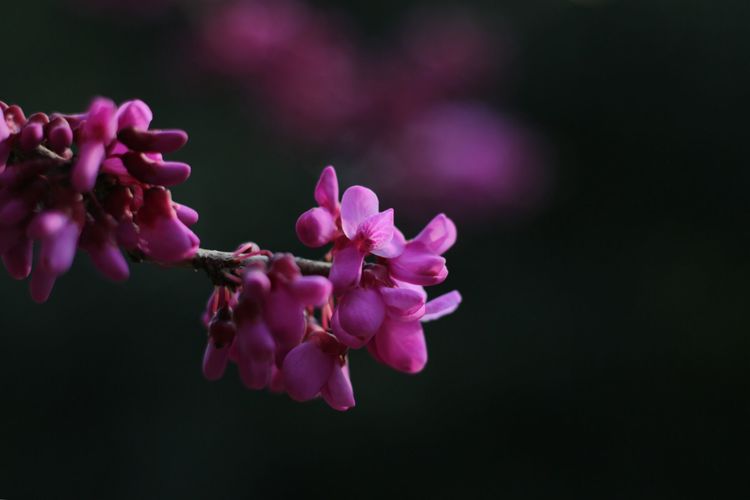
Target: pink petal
pixel 255 347
pixel 404 304
pixel 168 240
pixel 108 259
pixel 361 312
pixel 311 290
pixel 101 122
pixel 187 215
pixel 86 168
pixel 150 171
pixel 418 266
pixel 286 318
pixel 13 211
pixel 306 369
pixel 439 235
pixel 18 259
pixel 315 227
pixel 338 392
pixel 32 134
pixel 46 224
pixel 347 268
pixel 41 284
pixel 327 190
pixel 134 113
pixel 357 204
pixel 393 248
pixel 58 251
pixel 255 285
pixel 401 345
pixel 343 336
pixel 377 230
pixel 161 141
pixel 442 306
pixel 59 135
pixel 215 360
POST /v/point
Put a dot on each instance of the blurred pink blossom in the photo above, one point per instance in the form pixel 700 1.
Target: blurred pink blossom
pixel 464 155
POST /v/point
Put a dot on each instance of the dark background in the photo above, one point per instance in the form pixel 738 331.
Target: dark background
pixel 602 347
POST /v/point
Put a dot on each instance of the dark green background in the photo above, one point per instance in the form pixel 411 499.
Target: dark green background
pixel 602 348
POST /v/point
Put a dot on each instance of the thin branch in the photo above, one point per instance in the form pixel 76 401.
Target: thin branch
pixel 217 264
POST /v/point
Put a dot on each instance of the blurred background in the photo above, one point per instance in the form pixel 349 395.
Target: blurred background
pixel 594 156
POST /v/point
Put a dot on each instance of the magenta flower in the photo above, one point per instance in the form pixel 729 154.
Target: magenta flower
pixel 108 195
pixel 420 262
pixel 319 225
pixel 466 157
pixel 367 231
pixel 268 311
pixel 163 236
pixel 401 344
pixel 283 329
pixel 319 366
pixel 97 131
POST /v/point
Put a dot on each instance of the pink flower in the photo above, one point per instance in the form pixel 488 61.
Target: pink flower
pixel 420 262
pixel 97 131
pixel 319 366
pixel 269 314
pixel 401 344
pixel 367 231
pixel 112 195
pixel 465 157
pixel 318 226
pixel 163 235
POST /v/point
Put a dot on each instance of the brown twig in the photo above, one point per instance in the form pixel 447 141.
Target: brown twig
pixel 217 264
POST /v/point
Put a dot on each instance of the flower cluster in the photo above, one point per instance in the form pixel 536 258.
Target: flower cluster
pixel 320 82
pixel 95 181
pixel 292 333
pixel 407 110
pixel 98 181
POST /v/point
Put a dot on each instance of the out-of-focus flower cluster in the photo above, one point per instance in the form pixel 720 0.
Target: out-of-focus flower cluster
pixel 95 181
pixel 406 113
pixel 292 333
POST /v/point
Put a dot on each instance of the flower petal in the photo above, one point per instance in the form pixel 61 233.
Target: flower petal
pixel 438 235
pixel 187 215
pixel 419 266
pixel 347 268
pixel 402 346
pixel 393 248
pixel 255 349
pixel 377 230
pixel 108 259
pixel 338 392
pixel 361 312
pixel 306 369
pixel 90 157
pixel 404 304
pixel 327 190
pixel 315 227
pixel 215 360
pixel 285 316
pixel 343 336
pixel 18 259
pixel 442 306
pixel 357 204
pixel 311 290
pixel 41 284
pixel 135 113
pixel 58 251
